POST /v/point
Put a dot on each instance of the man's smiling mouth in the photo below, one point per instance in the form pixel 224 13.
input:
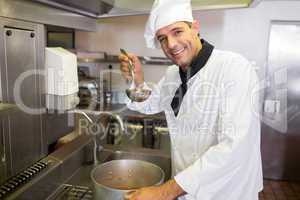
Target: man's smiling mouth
pixel 177 52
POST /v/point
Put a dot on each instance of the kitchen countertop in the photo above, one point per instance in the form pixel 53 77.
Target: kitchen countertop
pixel 124 112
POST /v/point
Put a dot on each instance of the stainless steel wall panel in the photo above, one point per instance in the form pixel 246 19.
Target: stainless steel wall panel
pixel 19 49
pixel 25 132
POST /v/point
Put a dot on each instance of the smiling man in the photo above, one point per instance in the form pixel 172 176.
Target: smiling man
pixel 211 107
pixel 180 42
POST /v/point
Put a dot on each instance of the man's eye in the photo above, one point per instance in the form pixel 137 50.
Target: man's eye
pixel 178 32
pixel 161 40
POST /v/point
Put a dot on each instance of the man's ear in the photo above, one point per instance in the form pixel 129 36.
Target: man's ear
pixel 196 26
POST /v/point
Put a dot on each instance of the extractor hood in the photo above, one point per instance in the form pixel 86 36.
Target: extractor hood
pixel 90 8
pixel 136 7
pixel 111 8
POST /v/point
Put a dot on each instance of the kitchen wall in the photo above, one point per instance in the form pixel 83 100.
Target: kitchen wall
pixel 240 30
pixel 120 32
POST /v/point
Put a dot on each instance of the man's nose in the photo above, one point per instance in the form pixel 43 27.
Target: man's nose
pixel 172 42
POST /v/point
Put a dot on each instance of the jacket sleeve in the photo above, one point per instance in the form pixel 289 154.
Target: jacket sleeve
pixel 153 104
pixel 211 172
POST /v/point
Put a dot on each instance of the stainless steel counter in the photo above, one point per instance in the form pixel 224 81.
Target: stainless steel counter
pixel 124 112
pixel 82 180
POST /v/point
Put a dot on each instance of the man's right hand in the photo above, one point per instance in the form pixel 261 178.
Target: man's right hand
pixel 138 70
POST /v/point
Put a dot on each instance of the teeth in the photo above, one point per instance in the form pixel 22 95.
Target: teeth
pixel 178 52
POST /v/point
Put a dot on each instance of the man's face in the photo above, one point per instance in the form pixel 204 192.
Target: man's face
pixel 180 42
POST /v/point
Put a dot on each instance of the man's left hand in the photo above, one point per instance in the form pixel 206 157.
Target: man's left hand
pixel 167 191
pixel 148 193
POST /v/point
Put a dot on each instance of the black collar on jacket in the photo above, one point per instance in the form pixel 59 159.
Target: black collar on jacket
pixel 197 64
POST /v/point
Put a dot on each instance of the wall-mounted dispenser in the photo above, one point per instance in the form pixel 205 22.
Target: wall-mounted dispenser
pixel 62 79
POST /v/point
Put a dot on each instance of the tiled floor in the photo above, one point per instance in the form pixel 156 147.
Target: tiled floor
pixel 280 190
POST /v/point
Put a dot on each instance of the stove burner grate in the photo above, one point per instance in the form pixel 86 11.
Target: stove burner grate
pixel 71 192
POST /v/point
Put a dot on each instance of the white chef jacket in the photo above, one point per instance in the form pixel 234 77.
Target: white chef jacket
pixel 215 137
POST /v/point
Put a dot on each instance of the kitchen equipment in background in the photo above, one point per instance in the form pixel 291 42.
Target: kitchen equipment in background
pixel 156 135
pixel 119 97
pixel 58 36
pixel 138 94
pixel 108 91
pixel 88 94
pixel 89 89
pixel 93 64
pixel 61 79
pixel 133 136
pixel 112 180
pixel 83 72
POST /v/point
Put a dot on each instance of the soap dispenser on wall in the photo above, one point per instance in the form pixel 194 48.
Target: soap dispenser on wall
pixel 61 79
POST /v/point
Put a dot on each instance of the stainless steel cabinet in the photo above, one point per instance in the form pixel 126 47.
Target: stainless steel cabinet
pixel 21 52
pixel 281 127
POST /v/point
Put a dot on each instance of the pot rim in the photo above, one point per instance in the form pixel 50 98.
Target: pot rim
pixel 114 189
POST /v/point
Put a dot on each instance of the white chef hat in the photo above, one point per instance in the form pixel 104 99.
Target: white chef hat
pixel 164 13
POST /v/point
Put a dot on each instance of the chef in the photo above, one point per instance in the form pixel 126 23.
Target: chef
pixel 210 103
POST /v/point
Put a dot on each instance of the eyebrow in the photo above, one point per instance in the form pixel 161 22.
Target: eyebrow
pixel 159 37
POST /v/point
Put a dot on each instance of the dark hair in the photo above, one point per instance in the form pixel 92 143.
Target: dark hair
pixel 188 23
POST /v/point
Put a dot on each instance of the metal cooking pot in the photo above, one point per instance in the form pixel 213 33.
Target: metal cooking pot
pixel 112 180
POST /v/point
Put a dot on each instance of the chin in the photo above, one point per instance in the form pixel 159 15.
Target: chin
pixel 182 63
pixel 177 63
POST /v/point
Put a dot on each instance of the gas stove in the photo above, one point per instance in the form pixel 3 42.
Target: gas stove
pixel 65 174
pixel 72 192
pixel 12 184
